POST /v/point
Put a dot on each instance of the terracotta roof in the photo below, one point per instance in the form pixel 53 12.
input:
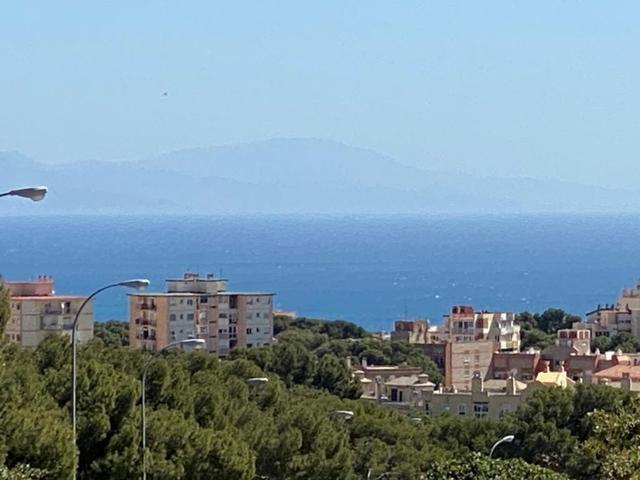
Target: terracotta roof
pixel 615 373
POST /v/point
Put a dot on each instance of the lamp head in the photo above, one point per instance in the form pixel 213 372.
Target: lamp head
pixel 137 283
pixel 344 414
pixel 257 380
pixel 33 193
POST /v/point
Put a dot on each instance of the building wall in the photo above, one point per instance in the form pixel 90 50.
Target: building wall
pixel 148 321
pixel 465 359
pixel 224 320
pixel 35 318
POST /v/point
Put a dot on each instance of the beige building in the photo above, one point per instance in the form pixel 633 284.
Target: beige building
pixel 623 316
pixel 463 359
pixel 490 398
pixel 36 311
pixel 195 307
pixel 463 324
pixel 466 325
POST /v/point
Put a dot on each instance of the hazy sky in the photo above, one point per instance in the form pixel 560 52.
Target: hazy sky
pixel 545 89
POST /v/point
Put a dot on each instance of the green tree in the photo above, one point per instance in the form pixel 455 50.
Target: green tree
pixel 5 309
pixel 113 333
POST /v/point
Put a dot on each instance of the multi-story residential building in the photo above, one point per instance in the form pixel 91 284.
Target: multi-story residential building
pixel 623 316
pixel 523 366
pixel 576 338
pixel 462 359
pixel 412 331
pixel 195 307
pixel 463 324
pixel 36 311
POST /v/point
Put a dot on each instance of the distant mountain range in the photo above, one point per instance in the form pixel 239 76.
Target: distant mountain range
pixel 289 176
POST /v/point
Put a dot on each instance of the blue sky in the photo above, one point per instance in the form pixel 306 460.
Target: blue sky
pixel 542 89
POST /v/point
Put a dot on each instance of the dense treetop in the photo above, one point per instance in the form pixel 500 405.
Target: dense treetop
pixel 205 421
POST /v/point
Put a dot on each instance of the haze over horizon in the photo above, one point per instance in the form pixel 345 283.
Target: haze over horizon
pixel 503 90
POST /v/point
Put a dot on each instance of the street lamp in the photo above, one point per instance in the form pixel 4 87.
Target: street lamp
pixel 136 283
pixel 344 414
pixel 194 342
pixel 257 381
pixel 507 439
pixel 33 193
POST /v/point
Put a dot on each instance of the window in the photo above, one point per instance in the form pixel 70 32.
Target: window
pixel 181 301
pixel 462 409
pixel 427 408
pixel 189 302
pixel 257 329
pixel 204 299
pixel 257 314
pixel 190 317
pixel 172 317
pixel 249 331
pixel 480 409
pixel 181 316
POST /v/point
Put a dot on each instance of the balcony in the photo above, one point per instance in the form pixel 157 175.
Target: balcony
pixel 54 326
pixel 150 336
pixel 145 321
pixel 147 306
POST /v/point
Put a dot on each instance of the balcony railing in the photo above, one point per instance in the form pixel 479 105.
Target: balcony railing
pixel 149 336
pixel 145 321
pixel 52 326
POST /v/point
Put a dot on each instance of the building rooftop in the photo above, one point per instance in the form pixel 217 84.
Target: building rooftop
pixel 407 381
pixel 616 372
pixel 551 379
pixel 196 294
pixel 48 297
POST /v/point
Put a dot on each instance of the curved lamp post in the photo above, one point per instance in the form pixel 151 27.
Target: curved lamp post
pixel 136 283
pixel 507 439
pixel 194 342
pixel 33 193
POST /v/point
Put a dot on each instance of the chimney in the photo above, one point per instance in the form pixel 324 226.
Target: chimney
pixel 625 382
pixel 511 385
pixel 378 389
pixel 477 385
pixel 587 377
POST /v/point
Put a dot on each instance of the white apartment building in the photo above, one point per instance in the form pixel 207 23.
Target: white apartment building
pixel 36 311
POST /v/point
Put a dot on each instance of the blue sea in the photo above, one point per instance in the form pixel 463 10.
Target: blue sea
pixel 368 269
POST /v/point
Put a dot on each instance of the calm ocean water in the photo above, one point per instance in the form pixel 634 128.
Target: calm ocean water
pixel 366 269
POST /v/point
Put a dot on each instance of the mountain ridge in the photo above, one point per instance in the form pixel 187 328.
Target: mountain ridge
pixel 295 175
